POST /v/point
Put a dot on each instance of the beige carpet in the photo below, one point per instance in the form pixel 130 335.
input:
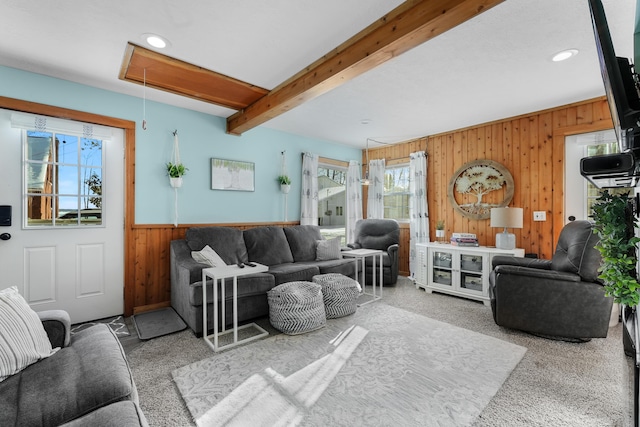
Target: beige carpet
pixel 555 384
pixel 382 366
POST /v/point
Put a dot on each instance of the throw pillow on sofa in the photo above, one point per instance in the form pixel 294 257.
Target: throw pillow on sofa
pixel 328 249
pixel 23 340
pixel 208 256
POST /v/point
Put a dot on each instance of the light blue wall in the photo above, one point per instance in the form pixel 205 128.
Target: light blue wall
pixel 201 136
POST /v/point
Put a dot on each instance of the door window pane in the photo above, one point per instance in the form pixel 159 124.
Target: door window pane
pixel 594 192
pixel 63 180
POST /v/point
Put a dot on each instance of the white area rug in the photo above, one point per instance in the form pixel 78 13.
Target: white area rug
pixel 381 366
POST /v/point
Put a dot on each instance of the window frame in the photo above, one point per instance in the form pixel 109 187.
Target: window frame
pixel 398 165
pixel 80 164
pixel 325 163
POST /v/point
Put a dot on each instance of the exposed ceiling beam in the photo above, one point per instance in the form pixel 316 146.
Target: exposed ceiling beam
pixel 153 69
pixel 409 25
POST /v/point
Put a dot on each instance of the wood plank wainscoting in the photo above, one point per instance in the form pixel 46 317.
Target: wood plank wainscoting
pixel 149 258
pixel 530 146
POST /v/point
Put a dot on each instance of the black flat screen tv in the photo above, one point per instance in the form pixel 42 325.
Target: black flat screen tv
pixel 620 83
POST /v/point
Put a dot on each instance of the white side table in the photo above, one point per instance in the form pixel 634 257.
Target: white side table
pixel 221 273
pixel 362 254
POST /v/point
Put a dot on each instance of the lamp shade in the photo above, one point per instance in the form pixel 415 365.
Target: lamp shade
pixel 506 217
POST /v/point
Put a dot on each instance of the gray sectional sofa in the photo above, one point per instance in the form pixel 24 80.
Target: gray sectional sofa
pixel 289 252
pixel 85 383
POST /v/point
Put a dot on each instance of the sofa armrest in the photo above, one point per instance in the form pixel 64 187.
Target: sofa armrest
pixel 543 264
pixel 57 324
pixel 537 273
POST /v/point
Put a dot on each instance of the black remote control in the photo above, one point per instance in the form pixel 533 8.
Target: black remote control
pixel 240 265
pixel 250 264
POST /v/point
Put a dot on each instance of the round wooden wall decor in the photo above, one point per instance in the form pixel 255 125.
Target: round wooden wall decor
pixel 473 181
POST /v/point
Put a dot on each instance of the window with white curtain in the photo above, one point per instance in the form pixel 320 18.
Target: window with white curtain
pixel 396 192
pixel 332 185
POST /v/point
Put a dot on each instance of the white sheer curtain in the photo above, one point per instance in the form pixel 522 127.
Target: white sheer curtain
pixel 309 196
pixel 354 199
pixel 375 192
pixel 418 210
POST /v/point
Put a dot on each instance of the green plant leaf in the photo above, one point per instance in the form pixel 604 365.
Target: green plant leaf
pixel 618 245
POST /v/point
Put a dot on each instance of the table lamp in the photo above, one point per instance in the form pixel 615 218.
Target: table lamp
pixel 507 218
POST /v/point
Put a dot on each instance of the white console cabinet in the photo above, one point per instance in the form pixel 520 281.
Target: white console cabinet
pixel 457 270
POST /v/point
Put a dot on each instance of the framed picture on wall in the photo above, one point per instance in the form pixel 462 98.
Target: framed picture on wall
pixel 234 175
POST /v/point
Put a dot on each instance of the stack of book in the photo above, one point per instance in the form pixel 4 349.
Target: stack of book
pixel 464 239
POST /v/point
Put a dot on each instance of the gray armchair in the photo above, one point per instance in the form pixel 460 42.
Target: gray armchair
pixel 381 234
pixel 561 297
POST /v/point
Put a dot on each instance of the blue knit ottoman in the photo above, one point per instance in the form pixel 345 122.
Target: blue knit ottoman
pixel 296 307
pixel 339 294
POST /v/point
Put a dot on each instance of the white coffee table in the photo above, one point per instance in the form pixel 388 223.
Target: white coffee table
pixel 222 273
pixel 362 254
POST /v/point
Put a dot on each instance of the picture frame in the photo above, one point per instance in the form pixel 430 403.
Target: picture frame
pixel 232 175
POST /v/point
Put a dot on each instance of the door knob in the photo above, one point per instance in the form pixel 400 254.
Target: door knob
pixel 5 236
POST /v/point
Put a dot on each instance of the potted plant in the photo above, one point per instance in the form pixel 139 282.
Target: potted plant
pixel 285 183
pixel 440 229
pixel 615 224
pixel 175 172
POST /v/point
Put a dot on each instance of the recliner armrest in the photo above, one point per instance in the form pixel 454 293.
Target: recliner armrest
pixel 543 264
pixel 392 248
pixel 537 273
pixel 57 324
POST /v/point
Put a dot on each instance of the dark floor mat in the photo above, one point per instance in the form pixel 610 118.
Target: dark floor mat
pixel 156 323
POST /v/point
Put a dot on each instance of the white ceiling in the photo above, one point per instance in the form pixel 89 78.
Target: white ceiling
pixel 495 66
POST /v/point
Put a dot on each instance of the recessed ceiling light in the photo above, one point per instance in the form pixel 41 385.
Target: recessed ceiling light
pixel 564 55
pixel 155 40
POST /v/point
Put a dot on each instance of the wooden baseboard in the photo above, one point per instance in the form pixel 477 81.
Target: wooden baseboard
pixel 151 307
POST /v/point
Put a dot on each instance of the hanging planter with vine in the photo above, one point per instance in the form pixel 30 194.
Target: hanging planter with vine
pixel 285 183
pixel 615 225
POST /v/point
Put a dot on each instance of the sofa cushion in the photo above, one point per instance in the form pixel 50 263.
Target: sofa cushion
pixel 345 266
pixel 377 233
pixel 267 245
pixel 90 373
pixel 119 414
pixel 23 340
pixel 293 272
pixel 328 249
pixel 302 241
pixel 253 284
pixel 575 252
pixel 226 241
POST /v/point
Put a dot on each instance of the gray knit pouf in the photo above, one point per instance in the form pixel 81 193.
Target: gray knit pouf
pixel 296 307
pixel 339 293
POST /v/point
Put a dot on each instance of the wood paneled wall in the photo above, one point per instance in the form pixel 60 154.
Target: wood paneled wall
pixel 531 147
pixel 150 274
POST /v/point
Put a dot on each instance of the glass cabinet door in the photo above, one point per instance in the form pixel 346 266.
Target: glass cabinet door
pixel 442 268
pixel 471 270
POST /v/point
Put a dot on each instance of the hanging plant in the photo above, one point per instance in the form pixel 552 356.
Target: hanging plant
pixel 284 180
pixel 614 223
pixel 176 170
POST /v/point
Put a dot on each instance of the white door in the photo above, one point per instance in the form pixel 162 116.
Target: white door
pixel 576 186
pixel 78 268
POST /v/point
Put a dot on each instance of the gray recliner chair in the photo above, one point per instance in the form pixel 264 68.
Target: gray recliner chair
pixel 381 234
pixel 561 297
